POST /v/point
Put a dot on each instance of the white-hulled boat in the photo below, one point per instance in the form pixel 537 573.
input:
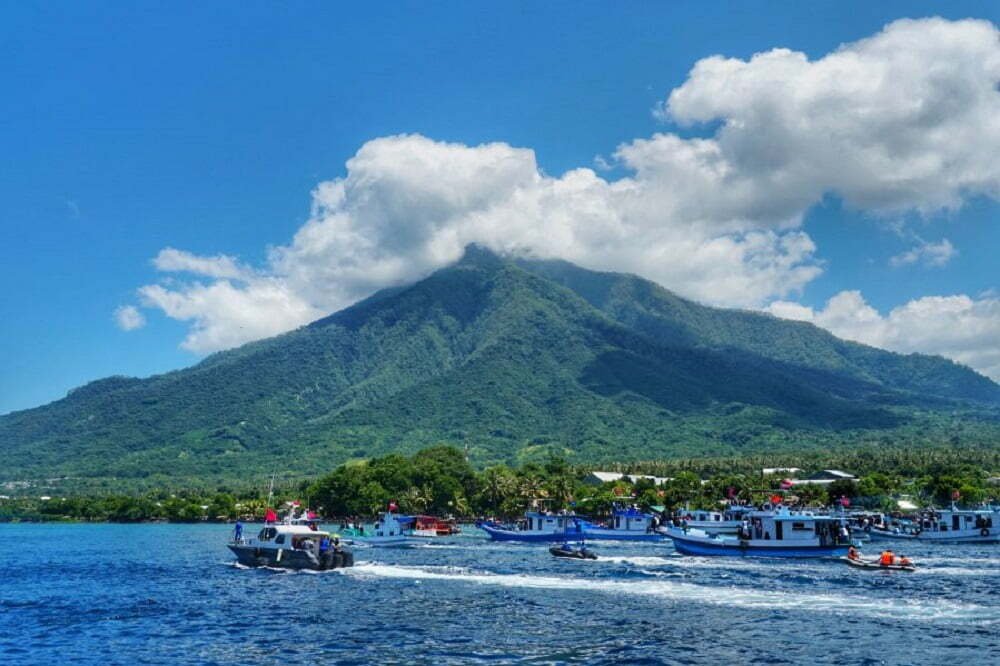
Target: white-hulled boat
pixel 946 526
pixel 388 531
pixel 291 545
pixel 713 522
pixel 772 533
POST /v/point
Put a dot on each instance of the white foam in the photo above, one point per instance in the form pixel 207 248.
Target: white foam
pixel 899 609
pixel 638 561
pixel 960 571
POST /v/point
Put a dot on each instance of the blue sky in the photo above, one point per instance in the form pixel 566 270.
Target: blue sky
pixel 127 130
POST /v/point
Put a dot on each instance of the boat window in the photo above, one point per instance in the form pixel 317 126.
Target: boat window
pixel 801 527
pixel 280 539
pixel 267 534
pixel 778 530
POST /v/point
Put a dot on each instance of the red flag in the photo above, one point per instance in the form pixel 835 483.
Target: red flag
pixel 270 516
pixel 310 514
pixel 392 506
pixel 955 495
pixel 775 499
pixel 845 501
pixel 786 484
pixel 296 503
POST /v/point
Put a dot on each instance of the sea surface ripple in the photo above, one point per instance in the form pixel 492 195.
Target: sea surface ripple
pixel 155 594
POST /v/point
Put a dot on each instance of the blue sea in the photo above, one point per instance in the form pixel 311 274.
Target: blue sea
pixel 171 594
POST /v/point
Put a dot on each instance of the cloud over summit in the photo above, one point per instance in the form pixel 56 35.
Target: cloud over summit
pixel 905 120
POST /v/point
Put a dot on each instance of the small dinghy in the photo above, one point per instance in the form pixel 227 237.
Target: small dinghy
pixel 569 552
pixel 861 564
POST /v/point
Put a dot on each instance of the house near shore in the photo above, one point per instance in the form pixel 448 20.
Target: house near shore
pixel 825 477
pixel 597 478
pixel 780 470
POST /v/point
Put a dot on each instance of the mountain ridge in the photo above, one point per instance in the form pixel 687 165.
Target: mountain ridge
pixel 511 358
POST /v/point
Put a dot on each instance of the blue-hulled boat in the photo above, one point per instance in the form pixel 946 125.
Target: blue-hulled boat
pixel 537 527
pixel 629 524
pixel 771 533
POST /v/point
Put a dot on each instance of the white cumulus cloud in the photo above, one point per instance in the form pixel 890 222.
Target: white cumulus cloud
pixel 129 318
pixel 929 254
pixel 964 329
pixel 908 119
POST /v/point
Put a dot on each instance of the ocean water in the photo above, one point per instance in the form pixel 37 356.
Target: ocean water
pixel 171 594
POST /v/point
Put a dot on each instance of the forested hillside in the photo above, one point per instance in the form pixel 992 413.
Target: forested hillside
pixel 511 360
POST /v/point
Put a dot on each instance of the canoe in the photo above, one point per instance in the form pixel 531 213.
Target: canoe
pixel 861 564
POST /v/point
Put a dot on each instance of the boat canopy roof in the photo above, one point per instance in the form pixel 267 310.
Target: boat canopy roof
pixel 297 530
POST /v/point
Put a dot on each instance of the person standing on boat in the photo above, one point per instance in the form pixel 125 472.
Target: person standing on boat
pixel 238 532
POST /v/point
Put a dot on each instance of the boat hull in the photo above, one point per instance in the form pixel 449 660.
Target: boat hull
pixel 622 535
pixel 389 541
pixel 500 534
pixel 711 547
pixel 290 559
pixel 936 537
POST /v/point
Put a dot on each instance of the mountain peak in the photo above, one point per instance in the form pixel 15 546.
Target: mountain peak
pixel 477 255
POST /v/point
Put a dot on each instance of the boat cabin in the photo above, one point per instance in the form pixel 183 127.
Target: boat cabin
pixel 548 522
pixel 631 520
pixel 955 520
pixel 799 527
pixel 288 537
pixel 389 525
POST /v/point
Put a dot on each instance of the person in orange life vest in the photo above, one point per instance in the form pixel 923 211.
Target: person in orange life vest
pixel 887 558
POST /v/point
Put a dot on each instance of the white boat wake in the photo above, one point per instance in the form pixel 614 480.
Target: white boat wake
pixel 898 608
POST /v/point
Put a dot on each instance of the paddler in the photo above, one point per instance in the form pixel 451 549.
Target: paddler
pixel 853 554
pixel 887 558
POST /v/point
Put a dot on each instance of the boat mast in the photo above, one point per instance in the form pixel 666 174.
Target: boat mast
pixel 270 496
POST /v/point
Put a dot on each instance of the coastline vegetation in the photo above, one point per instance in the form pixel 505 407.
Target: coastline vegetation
pixel 440 480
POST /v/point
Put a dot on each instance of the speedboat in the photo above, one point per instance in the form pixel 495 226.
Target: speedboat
pixel 776 532
pixel 568 552
pixel 537 527
pixel 952 525
pixel 291 545
pixel 629 524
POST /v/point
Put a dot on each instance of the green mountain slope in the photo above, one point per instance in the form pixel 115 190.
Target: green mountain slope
pixel 511 359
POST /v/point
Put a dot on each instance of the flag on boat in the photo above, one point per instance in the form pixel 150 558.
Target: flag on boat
pixel 270 516
pixel 775 499
pixel 730 492
pixel 392 506
pixel 786 484
pixel 311 515
pixel 955 495
pixel 845 501
pixel 296 503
